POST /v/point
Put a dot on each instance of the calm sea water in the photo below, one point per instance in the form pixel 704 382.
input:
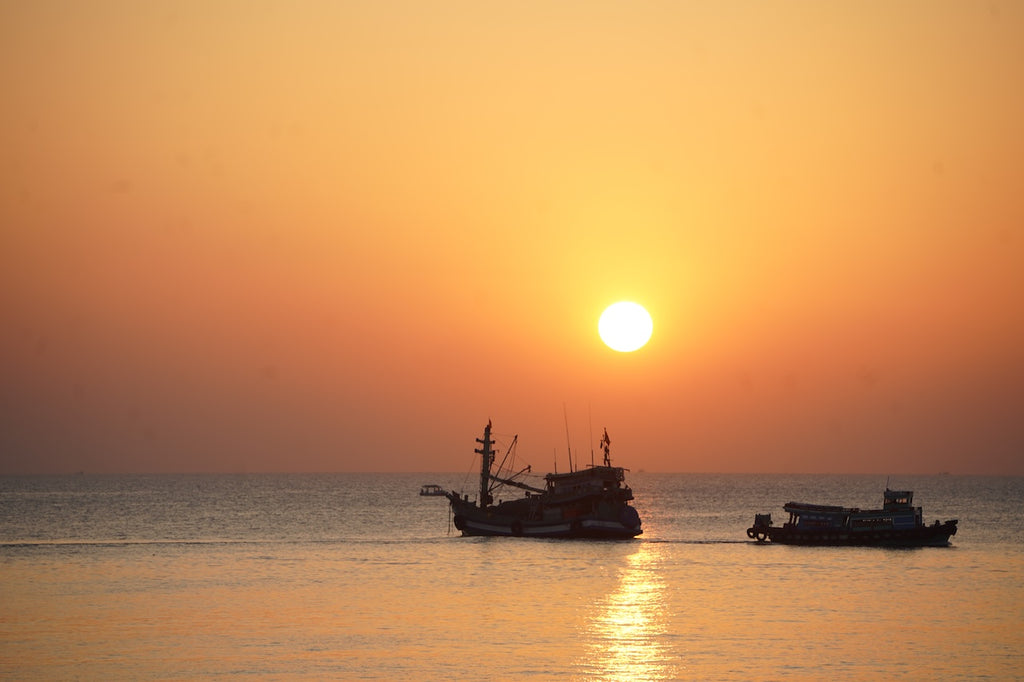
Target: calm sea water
pixel 282 577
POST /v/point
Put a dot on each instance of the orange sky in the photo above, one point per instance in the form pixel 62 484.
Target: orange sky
pixel 318 236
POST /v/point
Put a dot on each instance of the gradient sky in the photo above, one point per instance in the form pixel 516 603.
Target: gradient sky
pixel 341 236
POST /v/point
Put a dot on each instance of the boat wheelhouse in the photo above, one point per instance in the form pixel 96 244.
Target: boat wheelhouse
pixel 897 524
pixel 588 503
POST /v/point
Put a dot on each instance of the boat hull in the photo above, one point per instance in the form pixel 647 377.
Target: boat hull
pixel 472 521
pixel 922 536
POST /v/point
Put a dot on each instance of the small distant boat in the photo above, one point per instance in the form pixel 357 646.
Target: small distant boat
pixel 432 490
pixel 897 524
pixel 589 503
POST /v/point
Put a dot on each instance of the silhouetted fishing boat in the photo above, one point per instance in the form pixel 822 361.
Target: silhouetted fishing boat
pixel 589 503
pixel 897 524
pixel 432 490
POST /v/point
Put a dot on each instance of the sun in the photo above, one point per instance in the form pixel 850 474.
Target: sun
pixel 625 326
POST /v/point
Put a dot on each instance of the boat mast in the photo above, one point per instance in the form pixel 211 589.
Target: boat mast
pixel 486 459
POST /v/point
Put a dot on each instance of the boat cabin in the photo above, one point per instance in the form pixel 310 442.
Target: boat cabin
pixel 898 499
pixel 816 516
pixel 897 512
pixel 590 481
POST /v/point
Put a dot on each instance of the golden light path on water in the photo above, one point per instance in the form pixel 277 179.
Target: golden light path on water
pixel 630 625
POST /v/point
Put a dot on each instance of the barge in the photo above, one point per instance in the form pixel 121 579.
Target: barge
pixel 897 524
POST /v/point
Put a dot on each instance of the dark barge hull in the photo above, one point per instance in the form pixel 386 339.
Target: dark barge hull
pixel 924 536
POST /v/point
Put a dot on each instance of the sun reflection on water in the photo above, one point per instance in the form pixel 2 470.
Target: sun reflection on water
pixel 630 628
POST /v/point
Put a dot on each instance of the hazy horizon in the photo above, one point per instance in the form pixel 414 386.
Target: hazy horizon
pixel 473 474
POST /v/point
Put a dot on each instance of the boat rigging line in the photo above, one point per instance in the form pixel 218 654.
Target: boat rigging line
pixel 508 451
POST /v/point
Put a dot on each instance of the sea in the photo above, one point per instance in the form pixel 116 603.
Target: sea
pixel 358 577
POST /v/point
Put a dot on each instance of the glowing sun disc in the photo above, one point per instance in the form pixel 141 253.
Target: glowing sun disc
pixel 625 326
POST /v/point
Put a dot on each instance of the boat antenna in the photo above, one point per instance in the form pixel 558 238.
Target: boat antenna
pixel 590 418
pixel 554 451
pixel 568 442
